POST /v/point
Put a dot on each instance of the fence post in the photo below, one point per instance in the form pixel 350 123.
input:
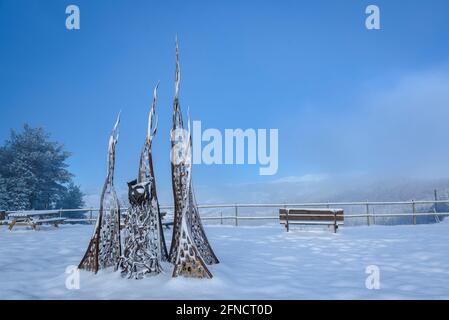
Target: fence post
pixel 414 211
pixel 236 216
pixel 90 217
pixel 435 196
pixel 367 213
pixel 60 213
pixel 335 222
pixel 221 217
pixel 437 219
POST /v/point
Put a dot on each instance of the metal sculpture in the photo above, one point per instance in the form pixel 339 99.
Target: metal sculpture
pixel 190 250
pixel 104 247
pixel 144 243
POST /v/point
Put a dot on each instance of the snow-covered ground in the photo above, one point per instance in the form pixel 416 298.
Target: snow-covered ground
pixel 256 263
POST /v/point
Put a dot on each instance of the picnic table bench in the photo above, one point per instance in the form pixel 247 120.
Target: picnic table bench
pixel 167 224
pixel 311 216
pixel 34 219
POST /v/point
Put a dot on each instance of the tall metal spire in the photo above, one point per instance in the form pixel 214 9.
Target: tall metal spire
pixel 104 247
pixel 190 250
pixel 178 71
pixel 144 244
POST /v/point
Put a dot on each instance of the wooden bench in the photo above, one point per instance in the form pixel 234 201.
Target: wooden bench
pixel 167 224
pixel 311 216
pixel 34 219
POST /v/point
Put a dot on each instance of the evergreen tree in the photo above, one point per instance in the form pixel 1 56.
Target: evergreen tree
pixel 33 172
pixel 3 196
pixel 71 198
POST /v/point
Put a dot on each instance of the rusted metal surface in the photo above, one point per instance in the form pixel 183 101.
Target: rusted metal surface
pixel 144 243
pixel 190 250
pixel 104 247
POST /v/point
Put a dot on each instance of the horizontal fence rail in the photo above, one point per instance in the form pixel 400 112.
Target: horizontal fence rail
pixel 365 211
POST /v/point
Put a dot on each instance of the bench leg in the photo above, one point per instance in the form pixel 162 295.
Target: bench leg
pixel 11 224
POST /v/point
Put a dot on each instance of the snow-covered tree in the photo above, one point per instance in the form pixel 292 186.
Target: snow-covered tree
pixel 70 198
pixel 3 195
pixel 33 171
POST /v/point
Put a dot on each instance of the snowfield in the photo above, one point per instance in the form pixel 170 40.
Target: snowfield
pixel 256 263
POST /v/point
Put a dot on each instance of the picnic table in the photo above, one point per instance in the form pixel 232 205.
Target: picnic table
pixel 34 219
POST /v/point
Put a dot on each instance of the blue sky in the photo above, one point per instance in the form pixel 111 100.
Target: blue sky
pixel 346 100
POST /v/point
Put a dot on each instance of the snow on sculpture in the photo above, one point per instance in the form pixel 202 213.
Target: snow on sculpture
pixel 144 243
pixel 104 247
pixel 190 250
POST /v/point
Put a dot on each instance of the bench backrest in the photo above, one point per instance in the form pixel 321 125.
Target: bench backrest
pixel 311 214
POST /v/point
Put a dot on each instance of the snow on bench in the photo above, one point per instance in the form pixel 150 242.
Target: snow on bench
pixel 311 216
pixel 34 218
pixel 32 213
